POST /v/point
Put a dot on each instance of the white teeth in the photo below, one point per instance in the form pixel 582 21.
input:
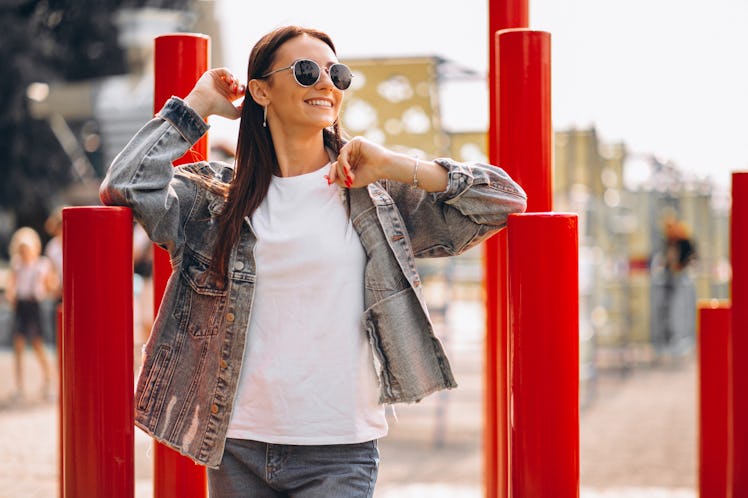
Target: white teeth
pixel 323 103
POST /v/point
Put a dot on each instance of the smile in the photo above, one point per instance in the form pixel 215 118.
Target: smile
pixel 320 102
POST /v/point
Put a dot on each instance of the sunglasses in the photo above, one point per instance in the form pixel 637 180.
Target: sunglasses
pixel 307 73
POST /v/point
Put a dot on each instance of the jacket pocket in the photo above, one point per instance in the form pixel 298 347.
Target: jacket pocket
pixel 201 297
pixel 153 378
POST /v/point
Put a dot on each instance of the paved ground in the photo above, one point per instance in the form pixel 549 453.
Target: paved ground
pixel 637 436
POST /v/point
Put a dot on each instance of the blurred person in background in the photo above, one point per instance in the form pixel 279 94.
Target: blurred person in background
pixel 53 249
pixel 673 294
pixel 31 279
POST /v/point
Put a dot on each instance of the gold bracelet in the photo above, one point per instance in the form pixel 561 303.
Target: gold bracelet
pixel 415 174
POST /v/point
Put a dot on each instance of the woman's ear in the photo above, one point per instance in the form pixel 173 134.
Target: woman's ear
pixel 258 89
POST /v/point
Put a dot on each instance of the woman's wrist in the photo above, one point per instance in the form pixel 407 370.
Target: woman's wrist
pixel 418 173
pixel 197 104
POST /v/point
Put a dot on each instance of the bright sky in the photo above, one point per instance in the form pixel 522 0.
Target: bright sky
pixel 665 77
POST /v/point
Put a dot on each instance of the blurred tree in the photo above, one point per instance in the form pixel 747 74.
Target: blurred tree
pixel 49 41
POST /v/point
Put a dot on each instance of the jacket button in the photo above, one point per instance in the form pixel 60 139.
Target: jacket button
pixel 229 317
pixel 214 409
pixel 239 265
pixel 223 363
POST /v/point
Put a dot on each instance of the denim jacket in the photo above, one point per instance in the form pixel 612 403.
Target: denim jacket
pixel 192 360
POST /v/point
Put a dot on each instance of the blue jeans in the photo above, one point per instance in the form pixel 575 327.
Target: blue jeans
pixel 251 469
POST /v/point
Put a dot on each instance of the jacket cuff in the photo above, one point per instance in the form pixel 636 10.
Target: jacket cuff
pixel 187 122
pixel 459 180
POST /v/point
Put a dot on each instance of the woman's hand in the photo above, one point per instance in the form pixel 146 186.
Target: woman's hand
pixel 215 93
pixel 361 162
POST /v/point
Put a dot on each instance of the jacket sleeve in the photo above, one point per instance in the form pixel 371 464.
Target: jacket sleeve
pixel 142 176
pixel 476 204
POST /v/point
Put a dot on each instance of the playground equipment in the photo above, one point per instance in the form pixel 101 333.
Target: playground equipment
pixel 544 355
pixel 520 141
pixel 96 400
pixel 180 60
pixel 501 15
pixel 737 463
pixel 723 371
pixel 713 393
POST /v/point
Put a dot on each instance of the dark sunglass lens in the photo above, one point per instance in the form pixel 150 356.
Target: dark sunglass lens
pixel 306 72
pixel 341 76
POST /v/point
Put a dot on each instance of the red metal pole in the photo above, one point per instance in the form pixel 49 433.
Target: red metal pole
pixel 738 450
pixel 714 386
pixel 544 350
pixel 495 443
pixel 521 143
pixel 60 422
pixel 180 60
pixel 97 353
pixel 501 15
pixel 525 129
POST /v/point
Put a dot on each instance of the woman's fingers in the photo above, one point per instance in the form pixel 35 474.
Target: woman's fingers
pixel 231 84
pixel 332 174
pixel 343 174
pixel 344 171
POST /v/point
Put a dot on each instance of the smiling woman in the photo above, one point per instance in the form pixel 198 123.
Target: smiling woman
pixel 294 312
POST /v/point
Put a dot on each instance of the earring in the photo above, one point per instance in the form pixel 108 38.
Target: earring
pixel 265 116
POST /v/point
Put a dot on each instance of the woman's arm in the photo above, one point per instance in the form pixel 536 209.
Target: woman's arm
pixel 10 287
pixel 475 205
pixel 447 206
pixel 142 176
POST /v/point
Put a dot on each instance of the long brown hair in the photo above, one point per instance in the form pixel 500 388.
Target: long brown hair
pixel 255 154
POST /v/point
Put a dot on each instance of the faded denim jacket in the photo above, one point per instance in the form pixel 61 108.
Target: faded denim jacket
pixel 192 360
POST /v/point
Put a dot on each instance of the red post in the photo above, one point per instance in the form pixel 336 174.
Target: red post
pixel 502 14
pixel 60 422
pixel 544 350
pixel 97 353
pixel 738 450
pixel 525 128
pixel 714 386
pixel 180 60
pixel 520 141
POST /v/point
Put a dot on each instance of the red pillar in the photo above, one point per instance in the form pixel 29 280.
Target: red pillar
pixel 97 353
pixel 60 422
pixel 180 60
pixel 544 350
pixel 502 14
pixel 714 386
pixel 738 450
pixel 521 143
pixel 525 129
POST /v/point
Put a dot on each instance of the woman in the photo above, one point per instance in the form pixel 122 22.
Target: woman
pixel 31 279
pixel 294 313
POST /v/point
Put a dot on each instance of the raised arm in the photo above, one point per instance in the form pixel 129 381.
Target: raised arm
pixel 142 177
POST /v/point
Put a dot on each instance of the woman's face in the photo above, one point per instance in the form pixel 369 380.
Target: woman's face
pixel 26 252
pixel 295 106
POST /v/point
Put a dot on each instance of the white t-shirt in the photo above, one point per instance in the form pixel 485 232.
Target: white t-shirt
pixel 308 375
